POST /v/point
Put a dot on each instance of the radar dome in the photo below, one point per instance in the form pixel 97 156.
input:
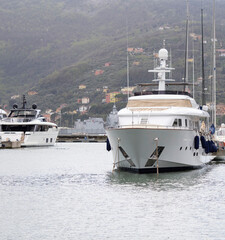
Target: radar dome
pixel 163 54
pixel 34 106
pixel 15 106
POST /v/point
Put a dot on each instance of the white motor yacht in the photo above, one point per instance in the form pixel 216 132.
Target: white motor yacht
pixel 28 126
pixel 161 130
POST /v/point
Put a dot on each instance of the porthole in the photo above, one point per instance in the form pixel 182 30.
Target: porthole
pixel 194 154
pixel 180 148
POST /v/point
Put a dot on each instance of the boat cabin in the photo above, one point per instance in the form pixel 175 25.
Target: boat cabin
pixel 26 114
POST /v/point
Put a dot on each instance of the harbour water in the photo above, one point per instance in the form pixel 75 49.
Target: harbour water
pixel 70 192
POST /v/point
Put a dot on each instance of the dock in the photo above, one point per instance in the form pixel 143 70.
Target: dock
pixel 10 144
pixel 82 138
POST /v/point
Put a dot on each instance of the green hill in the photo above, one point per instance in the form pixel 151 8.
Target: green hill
pixel 51 47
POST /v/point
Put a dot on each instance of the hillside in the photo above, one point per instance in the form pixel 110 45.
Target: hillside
pixel 49 48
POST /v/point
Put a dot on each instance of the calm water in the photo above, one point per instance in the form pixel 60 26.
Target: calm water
pixel 69 192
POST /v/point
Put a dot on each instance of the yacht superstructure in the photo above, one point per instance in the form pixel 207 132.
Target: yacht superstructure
pixel 28 126
pixel 160 129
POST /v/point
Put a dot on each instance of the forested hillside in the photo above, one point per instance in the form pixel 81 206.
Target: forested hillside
pixel 48 48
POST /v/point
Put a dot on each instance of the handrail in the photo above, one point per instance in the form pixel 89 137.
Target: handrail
pixel 153 126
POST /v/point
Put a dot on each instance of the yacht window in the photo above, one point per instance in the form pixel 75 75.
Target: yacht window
pixel 196 125
pixel 42 128
pixel 180 122
pixel 46 140
pixel 186 123
pixel 144 120
pixel 18 128
pixel 23 113
pixel 190 124
pixel 51 140
pixel 175 123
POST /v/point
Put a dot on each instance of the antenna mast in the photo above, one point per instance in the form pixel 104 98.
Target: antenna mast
pixel 203 72
pixel 128 77
pixel 214 68
pixel 186 50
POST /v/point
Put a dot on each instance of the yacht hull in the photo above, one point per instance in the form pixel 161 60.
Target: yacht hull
pixel 31 139
pixel 135 149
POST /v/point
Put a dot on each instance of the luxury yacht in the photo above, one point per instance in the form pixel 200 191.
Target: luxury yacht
pixel 28 126
pixel 161 130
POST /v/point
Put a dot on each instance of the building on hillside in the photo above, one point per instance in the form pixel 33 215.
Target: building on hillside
pixel 220 109
pixel 49 111
pixel 221 52
pixel 85 100
pixel 32 93
pixel 127 90
pixel 83 109
pixel 136 63
pixel 107 64
pixel 111 97
pixel 135 50
pixel 58 110
pixel 82 86
pixel 195 36
pixel 15 97
pixel 99 72
pixel 47 116
pixel 105 89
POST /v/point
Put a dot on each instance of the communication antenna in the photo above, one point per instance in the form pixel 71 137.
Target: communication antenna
pixel 214 68
pixel 128 75
pixel 186 50
pixel 193 64
pixel 203 67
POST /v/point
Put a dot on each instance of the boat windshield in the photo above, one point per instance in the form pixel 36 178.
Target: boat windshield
pixel 18 128
pixel 22 113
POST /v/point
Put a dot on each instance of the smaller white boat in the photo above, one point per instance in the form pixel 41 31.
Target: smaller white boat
pixel 219 138
pixel 3 114
pixel 28 126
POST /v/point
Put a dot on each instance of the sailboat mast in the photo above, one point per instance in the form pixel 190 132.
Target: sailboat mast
pixel 214 67
pixel 186 50
pixel 203 71
pixel 193 67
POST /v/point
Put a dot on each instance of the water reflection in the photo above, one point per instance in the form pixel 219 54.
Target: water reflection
pixel 162 182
